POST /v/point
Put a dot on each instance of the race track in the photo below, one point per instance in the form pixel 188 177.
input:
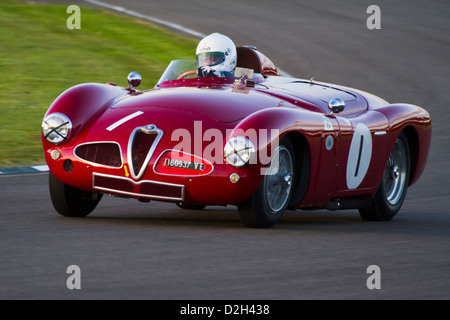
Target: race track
pixel 131 250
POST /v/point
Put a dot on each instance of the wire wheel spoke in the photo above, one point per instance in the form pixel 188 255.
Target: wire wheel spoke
pixel 394 176
pixel 277 183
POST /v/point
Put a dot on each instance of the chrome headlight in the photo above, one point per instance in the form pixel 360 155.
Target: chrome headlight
pixel 239 151
pixel 56 128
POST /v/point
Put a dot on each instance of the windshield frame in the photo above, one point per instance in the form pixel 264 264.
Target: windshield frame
pixel 176 68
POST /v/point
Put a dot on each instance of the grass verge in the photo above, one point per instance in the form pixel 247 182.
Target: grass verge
pixel 40 58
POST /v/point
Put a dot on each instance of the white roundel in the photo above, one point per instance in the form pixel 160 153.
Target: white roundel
pixel 359 156
pixel 329 143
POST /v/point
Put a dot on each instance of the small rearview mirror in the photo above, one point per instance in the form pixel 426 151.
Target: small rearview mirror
pixel 134 79
pixel 336 105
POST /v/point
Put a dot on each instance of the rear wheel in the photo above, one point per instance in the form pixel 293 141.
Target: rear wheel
pixel 266 206
pixel 72 202
pixel 392 191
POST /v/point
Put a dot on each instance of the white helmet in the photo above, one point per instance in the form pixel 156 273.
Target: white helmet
pixel 217 52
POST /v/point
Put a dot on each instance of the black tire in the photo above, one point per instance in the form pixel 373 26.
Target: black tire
pixel 268 204
pixel 72 202
pixel 190 207
pixel 392 191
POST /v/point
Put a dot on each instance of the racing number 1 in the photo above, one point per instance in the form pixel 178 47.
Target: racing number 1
pixel 359 156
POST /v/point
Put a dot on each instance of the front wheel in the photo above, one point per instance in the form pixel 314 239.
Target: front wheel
pixel 392 191
pixel 266 206
pixel 72 202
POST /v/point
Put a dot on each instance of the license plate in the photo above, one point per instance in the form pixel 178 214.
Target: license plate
pixel 183 164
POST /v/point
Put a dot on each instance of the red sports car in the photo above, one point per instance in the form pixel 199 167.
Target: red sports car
pixel 260 141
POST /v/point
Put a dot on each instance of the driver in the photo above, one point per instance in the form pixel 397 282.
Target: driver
pixel 216 56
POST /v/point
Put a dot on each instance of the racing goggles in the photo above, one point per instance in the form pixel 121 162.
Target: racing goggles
pixel 210 59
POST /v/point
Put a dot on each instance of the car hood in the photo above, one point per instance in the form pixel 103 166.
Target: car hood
pixel 222 104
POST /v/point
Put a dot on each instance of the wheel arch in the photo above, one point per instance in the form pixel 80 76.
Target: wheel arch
pixel 303 164
pixel 413 143
pixel 300 127
pixel 415 122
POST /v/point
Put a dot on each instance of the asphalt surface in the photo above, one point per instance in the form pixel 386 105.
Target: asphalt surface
pixel 130 250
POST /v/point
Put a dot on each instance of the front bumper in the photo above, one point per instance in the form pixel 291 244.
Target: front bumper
pixel 215 188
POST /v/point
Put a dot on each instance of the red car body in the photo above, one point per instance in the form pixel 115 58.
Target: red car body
pixel 122 141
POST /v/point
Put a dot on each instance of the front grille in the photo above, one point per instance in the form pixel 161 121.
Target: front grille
pixel 103 153
pixel 143 189
pixel 141 146
pixel 111 183
pixel 162 190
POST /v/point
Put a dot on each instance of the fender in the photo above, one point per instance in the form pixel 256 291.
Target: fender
pixel 309 135
pixel 278 122
pixel 416 122
pixel 401 115
pixel 85 101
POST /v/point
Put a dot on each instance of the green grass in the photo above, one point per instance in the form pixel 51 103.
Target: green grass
pixel 40 58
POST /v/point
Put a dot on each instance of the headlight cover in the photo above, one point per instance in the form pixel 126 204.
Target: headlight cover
pixel 56 128
pixel 239 151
